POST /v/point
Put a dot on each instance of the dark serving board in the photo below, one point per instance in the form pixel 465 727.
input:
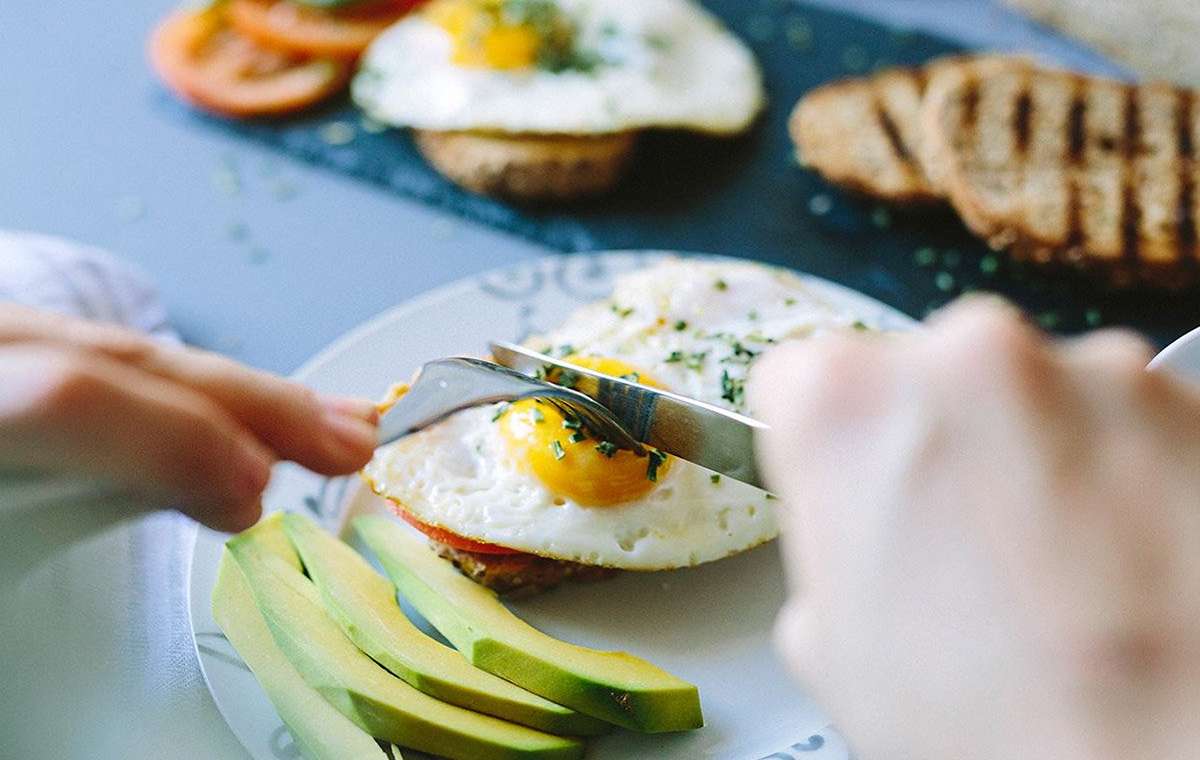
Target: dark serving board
pixel 747 197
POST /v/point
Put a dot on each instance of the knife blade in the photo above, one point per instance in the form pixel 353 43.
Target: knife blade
pixel 701 433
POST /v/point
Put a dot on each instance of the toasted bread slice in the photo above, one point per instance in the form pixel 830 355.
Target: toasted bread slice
pixel 863 134
pixel 529 167
pixel 1061 168
pixel 518 575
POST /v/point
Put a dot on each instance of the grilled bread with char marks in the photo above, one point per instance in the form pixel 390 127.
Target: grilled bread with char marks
pixel 1061 168
pixel 863 134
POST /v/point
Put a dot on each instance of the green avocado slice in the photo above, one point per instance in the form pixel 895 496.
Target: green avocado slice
pixel 379 703
pixel 364 604
pixel 320 731
pixel 613 686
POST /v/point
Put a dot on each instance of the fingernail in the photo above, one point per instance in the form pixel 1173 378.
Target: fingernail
pixel 359 408
pixel 352 433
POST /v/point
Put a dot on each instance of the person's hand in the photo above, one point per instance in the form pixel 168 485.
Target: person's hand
pixel 176 425
pixel 992 541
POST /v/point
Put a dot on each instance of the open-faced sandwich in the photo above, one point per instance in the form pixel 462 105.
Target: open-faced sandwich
pixel 521 497
pixel 544 98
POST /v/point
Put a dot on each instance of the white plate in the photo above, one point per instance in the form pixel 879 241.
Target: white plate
pixel 710 625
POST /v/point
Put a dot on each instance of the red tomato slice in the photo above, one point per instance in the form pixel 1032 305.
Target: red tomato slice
pixel 199 56
pixel 341 33
pixel 443 536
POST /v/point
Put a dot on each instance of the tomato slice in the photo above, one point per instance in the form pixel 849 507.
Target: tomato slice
pixel 443 536
pixel 199 56
pixel 340 33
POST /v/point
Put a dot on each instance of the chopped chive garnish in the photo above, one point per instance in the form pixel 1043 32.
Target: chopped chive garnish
pixel 567 379
pixel 789 301
pixel 632 377
pixel 557 448
pixel 860 325
pixel 715 478
pixel 566 349
pixel 721 285
pixel 655 461
pixel 680 326
pixel 771 497
pixel 607 448
pixel 538 417
pixel 622 312
pixel 578 436
pixel 572 423
pixel 696 360
pixel 674 356
pixel 500 410
pixel 732 389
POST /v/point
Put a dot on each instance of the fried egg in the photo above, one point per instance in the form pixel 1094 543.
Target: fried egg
pixel 524 477
pixel 560 66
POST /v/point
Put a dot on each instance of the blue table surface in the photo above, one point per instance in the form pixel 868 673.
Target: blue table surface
pixel 257 256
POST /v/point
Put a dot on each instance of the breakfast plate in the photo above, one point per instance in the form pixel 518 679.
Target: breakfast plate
pixel 710 624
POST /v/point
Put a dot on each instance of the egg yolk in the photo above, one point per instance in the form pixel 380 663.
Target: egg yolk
pixel 483 38
pixel 571 463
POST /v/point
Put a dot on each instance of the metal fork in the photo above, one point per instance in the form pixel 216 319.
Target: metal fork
pixel 445 386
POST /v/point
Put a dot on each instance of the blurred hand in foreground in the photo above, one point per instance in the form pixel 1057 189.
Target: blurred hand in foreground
pixel 171 424
pixel 992 540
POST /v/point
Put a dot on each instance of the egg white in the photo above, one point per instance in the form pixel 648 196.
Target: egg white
pixel 668 64
pixel 459 474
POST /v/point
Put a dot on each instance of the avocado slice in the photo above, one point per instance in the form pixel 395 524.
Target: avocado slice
pixel 612 686
pixel 363 603
pixel 376 701
pixel 320 731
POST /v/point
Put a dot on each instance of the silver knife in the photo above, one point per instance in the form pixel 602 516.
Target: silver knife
pixel 705 434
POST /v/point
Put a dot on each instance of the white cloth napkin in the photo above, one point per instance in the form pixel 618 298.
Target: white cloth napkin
pixel 51 273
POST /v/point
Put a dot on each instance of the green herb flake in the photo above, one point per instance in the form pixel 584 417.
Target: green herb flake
pixel 789 301
pixel 771 497
pixel 674 357
pixel 500 410
pixel 858 324
pixel 568 379
pixel 721 285
pixel 695 361
pixel 622 312
pixel 572 423
pixel 680 326
pixel 944 281
pixel 632 377
pixel 607 448
pixel 733 389
pixel 714 478
pixel 578 437
pixel 538 417
pixel 565 350
pixel 656 460
pixel 752 315
pixel 557 449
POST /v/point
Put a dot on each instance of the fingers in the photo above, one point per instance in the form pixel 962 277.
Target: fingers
pixel 327 435
pixel 79 412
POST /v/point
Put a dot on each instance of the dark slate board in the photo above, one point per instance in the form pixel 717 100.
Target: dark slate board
pixel 747 197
